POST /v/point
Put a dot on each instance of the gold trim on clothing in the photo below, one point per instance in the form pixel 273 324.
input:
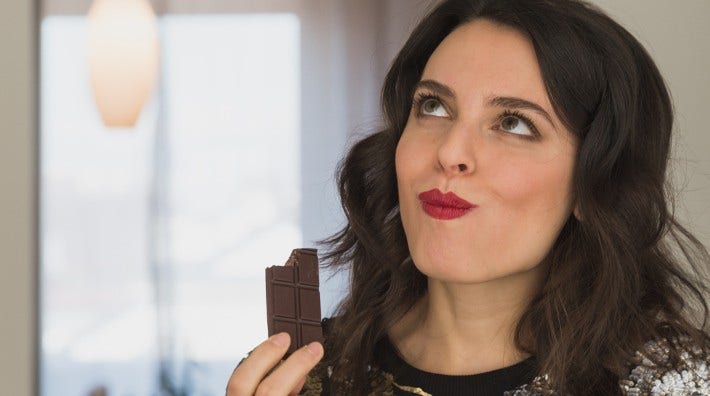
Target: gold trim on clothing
pixel 411 389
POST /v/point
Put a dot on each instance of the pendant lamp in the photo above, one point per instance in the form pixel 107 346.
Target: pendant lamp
pixel 123 58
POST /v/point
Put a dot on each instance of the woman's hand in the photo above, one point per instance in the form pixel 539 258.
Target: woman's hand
pixel 252 376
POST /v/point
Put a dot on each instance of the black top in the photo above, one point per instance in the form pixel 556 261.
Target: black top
pixel 650 371
pixel 489 383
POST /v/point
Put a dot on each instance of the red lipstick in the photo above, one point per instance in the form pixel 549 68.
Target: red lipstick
pixel 444 206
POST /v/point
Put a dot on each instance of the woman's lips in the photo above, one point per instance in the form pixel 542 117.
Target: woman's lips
pixel 444 206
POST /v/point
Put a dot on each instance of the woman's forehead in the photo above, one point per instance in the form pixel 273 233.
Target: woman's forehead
pixel 483 59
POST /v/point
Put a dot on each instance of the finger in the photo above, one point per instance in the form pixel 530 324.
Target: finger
pixel 247 376
pixel 290 373
pixel 298 388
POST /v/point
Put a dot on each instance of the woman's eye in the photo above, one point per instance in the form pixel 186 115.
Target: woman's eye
pixel 514 124
pixel 433 107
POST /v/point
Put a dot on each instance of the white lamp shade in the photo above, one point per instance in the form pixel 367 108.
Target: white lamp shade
pixel 123 58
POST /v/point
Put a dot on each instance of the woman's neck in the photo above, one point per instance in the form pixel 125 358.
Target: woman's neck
pixel 459 329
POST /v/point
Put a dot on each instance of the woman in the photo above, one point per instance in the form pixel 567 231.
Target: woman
pixel 509 231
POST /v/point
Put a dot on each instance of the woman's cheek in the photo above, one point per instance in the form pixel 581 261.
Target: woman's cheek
pixel 518 180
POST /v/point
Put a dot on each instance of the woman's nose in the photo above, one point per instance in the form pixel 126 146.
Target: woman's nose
pixel 456 151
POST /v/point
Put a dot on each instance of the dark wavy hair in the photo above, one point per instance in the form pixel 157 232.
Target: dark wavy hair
pixel 624 274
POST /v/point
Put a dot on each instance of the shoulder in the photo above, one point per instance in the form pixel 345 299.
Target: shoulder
pixel 653 372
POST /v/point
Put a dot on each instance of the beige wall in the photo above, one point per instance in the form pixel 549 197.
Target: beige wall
pixel 17 199
pixel 677 35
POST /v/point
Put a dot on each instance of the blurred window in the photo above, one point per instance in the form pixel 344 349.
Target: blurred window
pixel 150 235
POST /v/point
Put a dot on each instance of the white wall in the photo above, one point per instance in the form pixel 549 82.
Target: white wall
pixel 17 199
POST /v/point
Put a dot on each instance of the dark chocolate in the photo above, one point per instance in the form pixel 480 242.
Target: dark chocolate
pixel 293 299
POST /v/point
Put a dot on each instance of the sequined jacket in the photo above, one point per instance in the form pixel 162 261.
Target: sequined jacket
pixel 688 378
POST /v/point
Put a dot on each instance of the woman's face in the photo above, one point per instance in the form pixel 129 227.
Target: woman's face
pixel 482 128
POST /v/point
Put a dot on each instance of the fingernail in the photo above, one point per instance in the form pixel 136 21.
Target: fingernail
pixel 315 348
pixel 280 339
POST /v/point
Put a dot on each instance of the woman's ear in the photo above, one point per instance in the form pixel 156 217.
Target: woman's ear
pixel 577 213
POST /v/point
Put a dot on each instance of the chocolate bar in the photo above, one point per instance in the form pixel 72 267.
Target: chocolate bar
pixel 293 299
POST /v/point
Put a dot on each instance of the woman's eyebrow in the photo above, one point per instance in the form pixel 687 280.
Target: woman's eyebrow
pixel 436 87
pixel 518 103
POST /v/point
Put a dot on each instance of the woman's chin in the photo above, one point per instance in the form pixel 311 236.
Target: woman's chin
pixel 459 273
